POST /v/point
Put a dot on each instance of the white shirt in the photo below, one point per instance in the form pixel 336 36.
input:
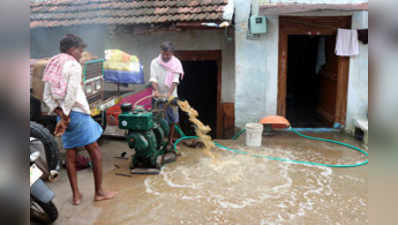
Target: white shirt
pixel 158 75
pixel 75 98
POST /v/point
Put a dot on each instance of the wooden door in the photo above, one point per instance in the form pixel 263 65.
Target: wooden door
pixel 335 83
pixel 328 83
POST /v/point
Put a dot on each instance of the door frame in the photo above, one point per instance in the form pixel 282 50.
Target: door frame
pixel 211 55
pixel 300 25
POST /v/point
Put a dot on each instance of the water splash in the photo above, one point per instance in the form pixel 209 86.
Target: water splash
pixel 201 130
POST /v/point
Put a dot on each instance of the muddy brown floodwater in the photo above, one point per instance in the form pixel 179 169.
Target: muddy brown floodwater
pixel 201 130
pixel 217 188
pixel 244 190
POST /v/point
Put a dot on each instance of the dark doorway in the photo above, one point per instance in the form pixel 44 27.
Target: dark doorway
pixel 199 87
pixel 298 35
pixel 306 81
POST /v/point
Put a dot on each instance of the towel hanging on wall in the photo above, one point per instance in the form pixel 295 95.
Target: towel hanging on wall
pixel 347 43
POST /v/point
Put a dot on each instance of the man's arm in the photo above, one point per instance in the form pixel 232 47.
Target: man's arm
pixel 154 80
pixel 176 81
pixel 74 78
pixel 61 113
pixel 61 126
pixel 73 74
pixel 171 90
pixel 155 88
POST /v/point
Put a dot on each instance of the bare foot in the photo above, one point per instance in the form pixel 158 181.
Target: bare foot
pixel 77 199
pixel 169 147
pixel 105 196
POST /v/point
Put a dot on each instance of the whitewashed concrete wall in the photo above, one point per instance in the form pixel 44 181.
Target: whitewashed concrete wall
pixel 146 47
pixel 256 68
pixel 357 106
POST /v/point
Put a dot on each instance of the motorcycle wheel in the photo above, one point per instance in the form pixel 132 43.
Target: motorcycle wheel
pixel 50 145
pixel 44 213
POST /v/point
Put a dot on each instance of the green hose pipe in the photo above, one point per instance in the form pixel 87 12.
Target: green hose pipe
pixel 181 139
pixel 179 130
pixel 290 160
pixel 238 134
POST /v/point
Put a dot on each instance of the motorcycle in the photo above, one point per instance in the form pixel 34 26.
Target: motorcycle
pixel 42 207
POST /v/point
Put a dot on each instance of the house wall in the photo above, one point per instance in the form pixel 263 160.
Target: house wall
pixel 257 65
pixel 146 47
pixel 256 83
pixel 44 42
pixel 357 106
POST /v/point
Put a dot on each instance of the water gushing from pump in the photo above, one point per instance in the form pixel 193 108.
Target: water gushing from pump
pixel 201 130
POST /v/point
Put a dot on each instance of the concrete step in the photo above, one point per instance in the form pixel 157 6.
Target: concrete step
pixel 363 124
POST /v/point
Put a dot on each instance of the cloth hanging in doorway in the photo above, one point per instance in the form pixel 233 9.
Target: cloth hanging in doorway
pixel 321 58
pixel 347 43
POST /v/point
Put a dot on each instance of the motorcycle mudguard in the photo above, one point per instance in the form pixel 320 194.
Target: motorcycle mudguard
pixel 41 192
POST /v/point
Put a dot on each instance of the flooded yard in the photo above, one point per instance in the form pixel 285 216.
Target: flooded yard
pixel 233 189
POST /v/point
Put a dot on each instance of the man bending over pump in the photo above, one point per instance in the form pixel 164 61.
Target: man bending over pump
pixel 166 72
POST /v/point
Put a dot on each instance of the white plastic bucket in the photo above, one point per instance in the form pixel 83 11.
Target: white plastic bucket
pixel 254 134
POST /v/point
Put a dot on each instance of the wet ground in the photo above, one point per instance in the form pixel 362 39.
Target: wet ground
pixel 234 189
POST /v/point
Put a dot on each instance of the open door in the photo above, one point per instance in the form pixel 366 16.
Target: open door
pixel 309 95
pixel 201 86
pixel 327 105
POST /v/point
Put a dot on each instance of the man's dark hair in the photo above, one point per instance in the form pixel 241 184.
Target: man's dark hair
pixel 71 41
pixel 167 46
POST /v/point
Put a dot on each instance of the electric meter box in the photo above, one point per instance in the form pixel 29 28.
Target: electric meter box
pixel 258 24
